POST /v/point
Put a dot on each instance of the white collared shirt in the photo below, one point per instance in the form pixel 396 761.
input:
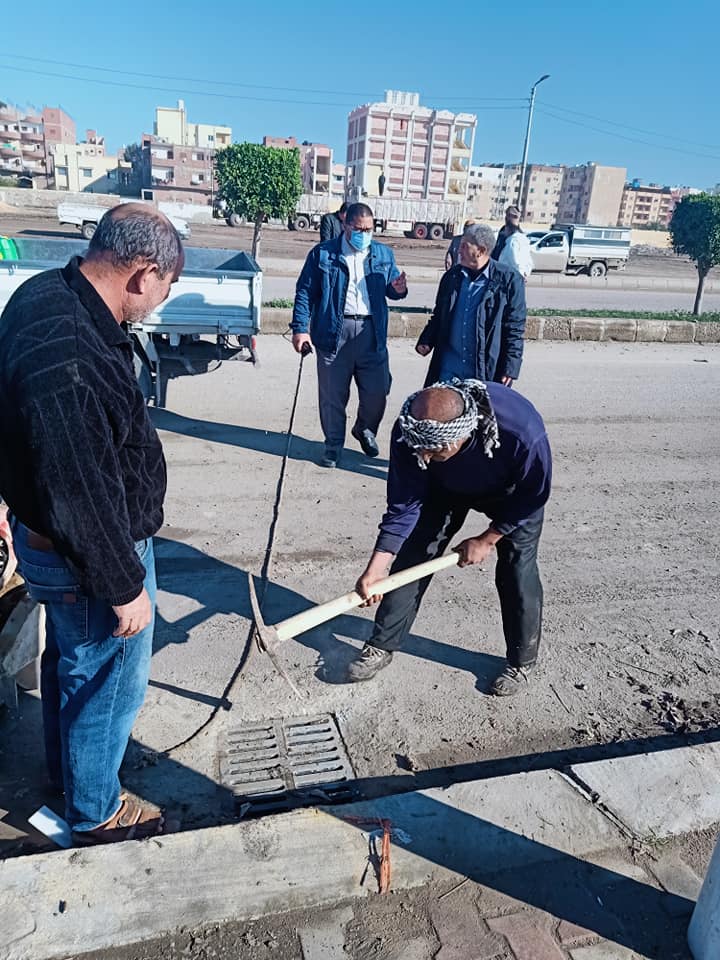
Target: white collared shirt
pixel 357 300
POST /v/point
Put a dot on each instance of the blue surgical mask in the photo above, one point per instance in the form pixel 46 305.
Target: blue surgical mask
pixel 360 240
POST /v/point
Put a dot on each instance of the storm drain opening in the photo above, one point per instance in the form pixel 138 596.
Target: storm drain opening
pixel 284 763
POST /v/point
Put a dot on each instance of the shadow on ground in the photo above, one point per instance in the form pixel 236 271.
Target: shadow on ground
pixel 266 441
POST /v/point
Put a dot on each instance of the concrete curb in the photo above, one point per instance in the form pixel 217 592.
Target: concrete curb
pixel 65 903
pixel 629 329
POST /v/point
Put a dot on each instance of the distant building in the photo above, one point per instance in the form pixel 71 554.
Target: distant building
pixel 591 193
pixel 486 192
pixel 495 186
pixel 25 145
pixel 58 128
pixel 421 153
pixel 172 125
pixel 541 193
pixel 178 157
pixel 84 167
pixel 644 206
pixel 316 163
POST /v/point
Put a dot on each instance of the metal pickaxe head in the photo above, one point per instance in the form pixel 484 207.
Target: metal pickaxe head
pixel 266 635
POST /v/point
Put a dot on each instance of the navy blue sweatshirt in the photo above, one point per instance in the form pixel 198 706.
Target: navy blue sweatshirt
pixel 509 488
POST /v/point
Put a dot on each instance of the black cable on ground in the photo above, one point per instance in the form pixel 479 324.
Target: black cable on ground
pixel 225 701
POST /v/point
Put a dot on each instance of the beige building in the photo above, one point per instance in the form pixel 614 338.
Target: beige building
pixel 22 147
pixel 84 167
pixel 591 193
pixel 171 125
pixel 645 206
pixel 316 162
pixel 541 194
pixel 495 186
pixel 398 148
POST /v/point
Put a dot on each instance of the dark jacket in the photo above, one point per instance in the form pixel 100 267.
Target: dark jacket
pixel 322 287
pixel 509 487
pixel 330 226
pixel 500 323
pixel 80 461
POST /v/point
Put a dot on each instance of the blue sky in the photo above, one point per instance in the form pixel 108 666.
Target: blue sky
pixel 633 85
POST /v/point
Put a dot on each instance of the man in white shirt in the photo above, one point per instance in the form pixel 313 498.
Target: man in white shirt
pixel 340 307
pixel 513 247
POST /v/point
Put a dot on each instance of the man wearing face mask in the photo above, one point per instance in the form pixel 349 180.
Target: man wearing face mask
pixel 341 309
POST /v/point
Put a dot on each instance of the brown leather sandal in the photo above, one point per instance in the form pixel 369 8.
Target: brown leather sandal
pixel 131 822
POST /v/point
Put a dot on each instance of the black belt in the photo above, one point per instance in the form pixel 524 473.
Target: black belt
pixel 357 316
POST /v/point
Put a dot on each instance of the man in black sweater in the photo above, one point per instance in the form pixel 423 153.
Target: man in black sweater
pixel 83 473
pixel 331 224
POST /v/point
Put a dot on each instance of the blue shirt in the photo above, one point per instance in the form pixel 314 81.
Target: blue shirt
pixel 509 487
pixel 460 358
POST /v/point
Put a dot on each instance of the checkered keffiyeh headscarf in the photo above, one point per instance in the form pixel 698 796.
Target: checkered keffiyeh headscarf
pixel 435 435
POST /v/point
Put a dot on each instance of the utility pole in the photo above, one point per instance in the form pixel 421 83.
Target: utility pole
pixel 520 203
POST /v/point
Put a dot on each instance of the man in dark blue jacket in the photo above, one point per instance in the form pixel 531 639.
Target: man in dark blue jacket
pixel 455 448
pixel 341 308
pixel 477 328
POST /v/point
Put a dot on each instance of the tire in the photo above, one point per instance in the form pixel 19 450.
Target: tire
pixel 419 231
pixel 88 230
pixel 301 222
pixel 436 232
pixel 597 269
pixel 234 220
pixel 143 376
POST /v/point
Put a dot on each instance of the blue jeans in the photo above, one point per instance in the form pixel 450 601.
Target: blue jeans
pixel 92 683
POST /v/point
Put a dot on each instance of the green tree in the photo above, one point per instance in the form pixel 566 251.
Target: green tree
pixel 259 182
pixel 695 231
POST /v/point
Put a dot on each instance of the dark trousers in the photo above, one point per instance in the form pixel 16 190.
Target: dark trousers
pixel 358 358
pixel 516 577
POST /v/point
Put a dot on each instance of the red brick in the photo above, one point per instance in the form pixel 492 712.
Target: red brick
pixel 528 940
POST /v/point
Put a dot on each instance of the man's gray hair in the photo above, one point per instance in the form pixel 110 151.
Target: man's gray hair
pixel 481 235
pixel 129 237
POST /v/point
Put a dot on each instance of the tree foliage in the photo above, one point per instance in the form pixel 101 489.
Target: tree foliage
pixel 695 231
pixel 258 182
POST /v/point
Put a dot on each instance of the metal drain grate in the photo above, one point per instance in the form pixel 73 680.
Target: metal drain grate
pixel 285 763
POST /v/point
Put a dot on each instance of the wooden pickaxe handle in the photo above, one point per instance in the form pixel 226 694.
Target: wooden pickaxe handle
pixel 313 617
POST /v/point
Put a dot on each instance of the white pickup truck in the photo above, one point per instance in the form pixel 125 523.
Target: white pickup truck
pixel 86 216
pixel 577 248
pixel 211 315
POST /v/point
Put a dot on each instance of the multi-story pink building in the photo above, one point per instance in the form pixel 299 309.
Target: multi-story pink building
pixel 59 128
pixel 316 162
pixel 399 149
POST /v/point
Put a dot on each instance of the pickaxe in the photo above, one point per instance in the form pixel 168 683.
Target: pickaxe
pixel 269 637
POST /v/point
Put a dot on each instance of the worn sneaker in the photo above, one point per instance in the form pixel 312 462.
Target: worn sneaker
pixel 366 439
pixel 330 458
pixel 371 661
pixel 510 681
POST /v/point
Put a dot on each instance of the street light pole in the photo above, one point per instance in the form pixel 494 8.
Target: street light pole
pixel 520 203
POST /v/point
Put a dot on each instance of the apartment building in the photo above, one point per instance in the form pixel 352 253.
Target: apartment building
pixel 591 193
pixel 84 167
pixel 178 157
pixel 172 125
pixel 644 206
pixel 494 186
pixel 22 146
pixel 316 162
pixel 399 148
pixel 541 193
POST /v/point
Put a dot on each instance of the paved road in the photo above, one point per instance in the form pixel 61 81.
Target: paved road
pixel 561 298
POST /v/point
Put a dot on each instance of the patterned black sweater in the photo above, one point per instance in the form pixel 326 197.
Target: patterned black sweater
pixel 80 461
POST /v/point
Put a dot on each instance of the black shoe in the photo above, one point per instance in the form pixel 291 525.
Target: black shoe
pixel 366 439
pixel 511 681
pixel 371 661
pixel 330 458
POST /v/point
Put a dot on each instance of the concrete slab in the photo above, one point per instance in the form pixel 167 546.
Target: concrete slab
pixel 327 940
pixel 660 794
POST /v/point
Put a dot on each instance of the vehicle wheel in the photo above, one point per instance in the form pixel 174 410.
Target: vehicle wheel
pixel 301 223
pixel 597 269
pixel 437 231
pixel 420 231
pixel 88 229
pixel 234 220
pixel 143 376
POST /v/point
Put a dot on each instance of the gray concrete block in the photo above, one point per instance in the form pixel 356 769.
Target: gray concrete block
pixel 556 328
pixel 586 328
pixel 617 328
pixel 275 319
pixel 534 328
pixel 680 331
pixel 603 951
pixel 677 877
pixel 651 331
pixel 660 794
pixel 707 332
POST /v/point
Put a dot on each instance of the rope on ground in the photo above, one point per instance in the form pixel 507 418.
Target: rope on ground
pixel 226 698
